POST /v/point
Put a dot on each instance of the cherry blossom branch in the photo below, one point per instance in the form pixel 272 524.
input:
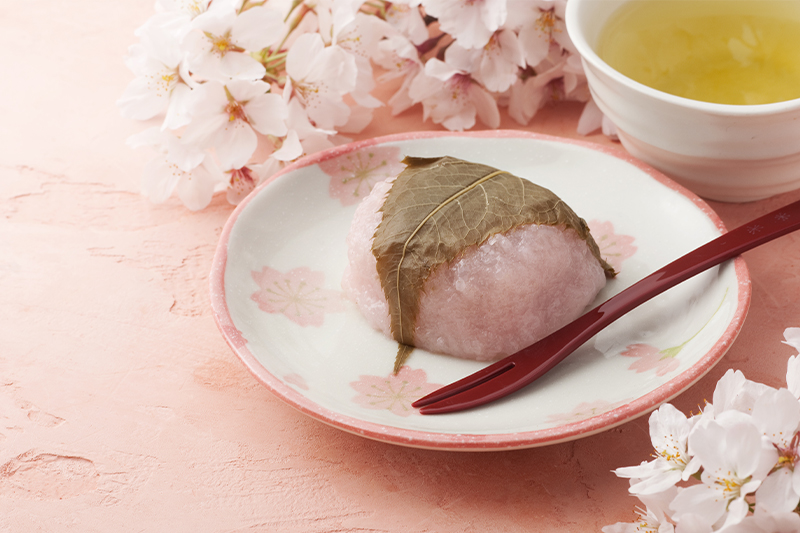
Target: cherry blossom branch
pixel 295 76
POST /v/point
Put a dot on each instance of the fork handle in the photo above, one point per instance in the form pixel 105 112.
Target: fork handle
pixel 497 380
pixel 729 245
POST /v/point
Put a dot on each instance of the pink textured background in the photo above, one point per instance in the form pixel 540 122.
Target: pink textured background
pixel 121 407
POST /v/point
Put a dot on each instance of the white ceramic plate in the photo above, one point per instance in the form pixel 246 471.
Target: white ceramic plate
pixel 275 290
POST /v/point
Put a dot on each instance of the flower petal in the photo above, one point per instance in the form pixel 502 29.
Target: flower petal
pixel 196 188
pixel 485 105
pixel 301 55
pixel 591 118
pixel 291 148
pixel 235 144
pixel 257 28
pixel 180 106
pixel 240 67
pixel 159 179
pixel 776 493
pixel 267 114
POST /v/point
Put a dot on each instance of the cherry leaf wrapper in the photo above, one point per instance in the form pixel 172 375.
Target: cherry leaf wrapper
pixel 438 207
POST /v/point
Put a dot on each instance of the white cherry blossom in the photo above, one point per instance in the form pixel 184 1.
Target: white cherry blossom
pixel 185 156
pixel 185 8
pixel 669 433
pixel 472 23
pixel 320 76
pixel 173 18
pixel 735 392
pixel 763 522
pixel 343 13
pixel 162 85
pixel 653 519
pixel 360 38
pixel 792 336
pixel 735 461
pixel 649 522
pixel 187 170
pixel 219 45
pixel 227 118
pixel 303 137
pixel 149 94
pixel 777 414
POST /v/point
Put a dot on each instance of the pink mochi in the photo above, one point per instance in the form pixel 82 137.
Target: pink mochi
pixel 494 299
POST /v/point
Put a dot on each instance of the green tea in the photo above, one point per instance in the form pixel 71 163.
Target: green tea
pixel 723 51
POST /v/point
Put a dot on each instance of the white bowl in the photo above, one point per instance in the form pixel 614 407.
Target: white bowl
pixel 732 153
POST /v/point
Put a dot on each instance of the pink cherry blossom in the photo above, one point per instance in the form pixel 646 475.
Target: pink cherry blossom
pixel 395 392
pixel 557 78
pixel 525 98
pixel 451 97
pixel 241 183
pixel 353 174
pixel 496 65
pixel 399 58
pixel 592 119
pixel 406 18
pixel 614 248
pixel 298 294
pixel 651 358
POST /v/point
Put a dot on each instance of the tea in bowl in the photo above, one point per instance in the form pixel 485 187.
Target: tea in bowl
pixel 707 91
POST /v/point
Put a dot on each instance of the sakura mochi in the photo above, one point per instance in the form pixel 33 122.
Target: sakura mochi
pixel 463 259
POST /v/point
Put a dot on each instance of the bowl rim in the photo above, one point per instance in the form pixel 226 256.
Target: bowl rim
pixel 588 55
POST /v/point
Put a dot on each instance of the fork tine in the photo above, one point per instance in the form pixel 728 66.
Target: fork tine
pixel 483 375
pixel 505 376
pixel 473 393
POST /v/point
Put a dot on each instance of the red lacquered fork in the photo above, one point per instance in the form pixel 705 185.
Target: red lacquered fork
pixel 522 368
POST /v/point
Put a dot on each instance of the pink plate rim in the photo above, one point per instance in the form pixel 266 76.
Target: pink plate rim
pixel 471 442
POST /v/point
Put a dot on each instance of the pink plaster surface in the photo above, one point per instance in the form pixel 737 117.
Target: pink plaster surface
pixel 123 410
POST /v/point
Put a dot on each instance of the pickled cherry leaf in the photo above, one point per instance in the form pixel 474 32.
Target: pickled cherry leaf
pixel 438 207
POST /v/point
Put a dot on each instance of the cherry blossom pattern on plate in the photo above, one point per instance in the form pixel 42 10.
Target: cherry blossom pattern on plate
pixel 394 392
pixel 585 411
pixel 648 357
pixel 298 294
pixel 297 380
pixel 353 174
pixel 663 361
pixel 614 248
